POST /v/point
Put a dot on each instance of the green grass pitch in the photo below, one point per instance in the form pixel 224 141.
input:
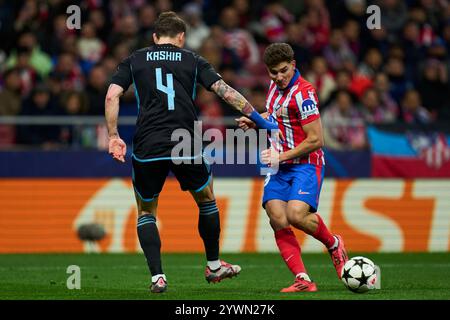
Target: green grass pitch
pixel 412 276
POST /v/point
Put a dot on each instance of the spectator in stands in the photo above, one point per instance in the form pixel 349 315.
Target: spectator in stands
pixel 321 78
pixel 96 90
pixel 372 64
pixel 376 38
pixel 359 83
pixel 317 21
pixel 125 33
pixel 337 51
pixel 163 5
pixel 411 43
pixel 109 63
pixel 211 110
pixel 28 17
pixel 343 83
pixel 412 109
pixel 218 55
pixel 257 98
pixel 121 51
pixel 238 40
pixel 352 33
pixel 381 85
pixel 39 60
pixel 395 13
pixel 434 88
pixel 433 11
pixel 446 34
pixel 230 77
pixel 426 34
pixel 28 75
pixel 74 103
pixel 274 19
pixel 395 70
pixel 100 23
pixel 10 105
pixel 243 10
pixel 90 48
pixel 296 34
pixel 10 98
pixel 437 50
pixel 40 103
pixel 343 124
pixel 197 30
pixel 69 45
pixel 68 72
pixel 146 21
pixel 57 34
pixel 355 9
pixel 410 71
pixel 372 109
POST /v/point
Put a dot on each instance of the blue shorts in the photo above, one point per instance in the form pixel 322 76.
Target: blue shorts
pixel 295 182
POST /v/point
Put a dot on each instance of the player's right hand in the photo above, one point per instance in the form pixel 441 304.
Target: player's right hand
pixel 118 149
pixel 270 157
pixel 245 123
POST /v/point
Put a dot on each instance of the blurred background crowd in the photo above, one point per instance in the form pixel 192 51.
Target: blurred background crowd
pixel 396 74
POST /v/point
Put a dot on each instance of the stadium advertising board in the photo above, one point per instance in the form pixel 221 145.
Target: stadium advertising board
pixel 43 215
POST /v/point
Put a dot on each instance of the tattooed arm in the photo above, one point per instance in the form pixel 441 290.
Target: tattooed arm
pixel 232 97
pixel 237 101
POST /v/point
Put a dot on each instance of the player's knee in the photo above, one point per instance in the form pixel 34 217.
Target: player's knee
pixel 279 224
pixel 297 219
pixel 147 207
pixel 204 195
pixel 278 221
pixel 145 212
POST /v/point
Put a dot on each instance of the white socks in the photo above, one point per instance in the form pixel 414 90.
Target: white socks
pixel 155 278
pixel 214 265
pixel 304 276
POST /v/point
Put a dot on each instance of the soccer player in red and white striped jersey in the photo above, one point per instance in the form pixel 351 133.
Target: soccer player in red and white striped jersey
pixel 293 108
pixel 291 195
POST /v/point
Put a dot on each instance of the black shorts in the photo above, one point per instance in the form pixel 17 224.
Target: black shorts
pixel 149 176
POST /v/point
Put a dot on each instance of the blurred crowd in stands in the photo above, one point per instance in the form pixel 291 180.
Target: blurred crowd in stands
pixel 396 74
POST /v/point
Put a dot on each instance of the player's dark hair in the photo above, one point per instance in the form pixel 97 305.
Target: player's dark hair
pixel 169 24
pixel 277 53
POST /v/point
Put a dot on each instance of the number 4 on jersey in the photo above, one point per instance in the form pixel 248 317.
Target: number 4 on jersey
pixel 168 89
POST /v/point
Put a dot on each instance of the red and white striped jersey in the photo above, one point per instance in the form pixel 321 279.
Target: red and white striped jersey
pixel 293 108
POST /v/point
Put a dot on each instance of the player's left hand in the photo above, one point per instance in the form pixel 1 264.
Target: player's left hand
pixel 118 149
pixel 245 123
pixel 271 157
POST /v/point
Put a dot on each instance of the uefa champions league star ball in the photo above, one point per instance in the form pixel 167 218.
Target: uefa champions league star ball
pixel 359 275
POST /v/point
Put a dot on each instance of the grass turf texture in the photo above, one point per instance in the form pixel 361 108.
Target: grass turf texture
pixel 412 276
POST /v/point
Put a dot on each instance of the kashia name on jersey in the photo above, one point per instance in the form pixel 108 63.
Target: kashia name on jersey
pixel 163 55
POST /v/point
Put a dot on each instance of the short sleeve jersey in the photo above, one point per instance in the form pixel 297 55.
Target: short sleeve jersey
pixel 165 78
pixel 294 108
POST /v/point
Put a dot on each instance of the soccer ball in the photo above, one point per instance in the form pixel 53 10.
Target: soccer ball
pixel 359 275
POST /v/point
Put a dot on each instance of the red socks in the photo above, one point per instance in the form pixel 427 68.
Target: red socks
pixel 290 250
pixel 323 234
